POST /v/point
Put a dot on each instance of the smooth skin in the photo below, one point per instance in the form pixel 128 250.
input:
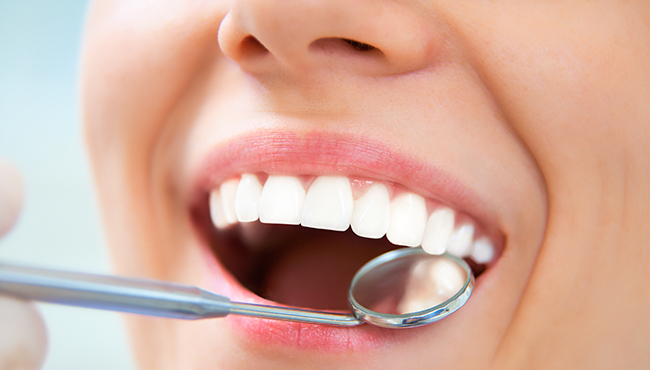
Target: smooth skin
pixel 541 108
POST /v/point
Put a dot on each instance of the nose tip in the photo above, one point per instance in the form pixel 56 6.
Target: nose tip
pixel 367 36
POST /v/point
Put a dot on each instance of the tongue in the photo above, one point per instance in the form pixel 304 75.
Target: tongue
pixel 316 273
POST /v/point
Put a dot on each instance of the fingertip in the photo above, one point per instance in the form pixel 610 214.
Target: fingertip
pixel 23 343
pixel 11 195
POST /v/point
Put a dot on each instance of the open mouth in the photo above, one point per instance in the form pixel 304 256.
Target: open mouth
pixel 298 240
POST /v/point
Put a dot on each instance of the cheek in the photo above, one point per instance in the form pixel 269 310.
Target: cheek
pixel 566 87
pixel 132 79
pixel 132 73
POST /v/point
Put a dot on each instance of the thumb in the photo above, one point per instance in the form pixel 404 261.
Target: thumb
pixel 23 338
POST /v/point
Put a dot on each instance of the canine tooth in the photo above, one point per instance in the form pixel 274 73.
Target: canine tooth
pixel 216 210
pixel 438 231
pixel 328 204
pixel 483 250
pixel 371 213
pixel 247 198
pixel 281 200
pixel 408 218
pixel 460 243
pixel 228 193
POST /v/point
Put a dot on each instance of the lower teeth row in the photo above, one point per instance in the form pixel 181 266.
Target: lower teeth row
pixel 329 204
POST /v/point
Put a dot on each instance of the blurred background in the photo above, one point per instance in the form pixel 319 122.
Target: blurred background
pixel 40 132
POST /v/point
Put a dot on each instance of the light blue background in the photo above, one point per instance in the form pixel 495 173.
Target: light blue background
pixel 40 131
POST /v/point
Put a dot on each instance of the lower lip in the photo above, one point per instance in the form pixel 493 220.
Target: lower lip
pixel 316 338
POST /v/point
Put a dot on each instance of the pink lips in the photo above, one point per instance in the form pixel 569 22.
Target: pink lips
pixel 317 153
pixel 332 154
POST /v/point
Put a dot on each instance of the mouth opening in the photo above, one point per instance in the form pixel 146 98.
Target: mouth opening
pixel 299 240
pixel 293 265
pixel 297 266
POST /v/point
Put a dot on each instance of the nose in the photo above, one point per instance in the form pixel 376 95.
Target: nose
pixel 370 37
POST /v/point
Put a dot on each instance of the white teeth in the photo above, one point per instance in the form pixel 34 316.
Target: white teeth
pixel 282 200
pixel 460 243
pixel 328 204
pixel 247 198
pixel 216 210
pixel 228 194
pixel 371 214
pixel 438 231
pixel 408 219
pixel 483 250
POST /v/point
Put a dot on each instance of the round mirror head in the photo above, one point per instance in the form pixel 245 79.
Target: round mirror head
pixel 408 287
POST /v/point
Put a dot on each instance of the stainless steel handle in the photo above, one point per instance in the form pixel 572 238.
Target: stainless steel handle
pixel 113 293
pixel 145 297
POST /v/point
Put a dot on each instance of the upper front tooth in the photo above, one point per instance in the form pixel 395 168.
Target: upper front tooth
pixel 328 204
pixel 438 231
pixel 408 219
pixel 371 214
pixel 247 198
pixel 460 243
pixel 282 200
pixel 228 193
pixel 483 250
pixel 216 210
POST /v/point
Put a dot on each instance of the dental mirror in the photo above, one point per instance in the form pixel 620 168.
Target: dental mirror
pixel 408 287
pixel 400 289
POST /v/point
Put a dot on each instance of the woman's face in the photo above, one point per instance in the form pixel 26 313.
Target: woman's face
pixel 526 121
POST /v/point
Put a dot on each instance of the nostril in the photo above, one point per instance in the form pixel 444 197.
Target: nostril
pixel 335 45
pixel 299 36
pixel 359 46
pixel 250 46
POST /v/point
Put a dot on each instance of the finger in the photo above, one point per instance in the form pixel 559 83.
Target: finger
pixel 11 195
pixel 23 338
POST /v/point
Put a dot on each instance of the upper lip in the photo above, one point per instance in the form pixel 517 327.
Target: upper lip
pixel 324 153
